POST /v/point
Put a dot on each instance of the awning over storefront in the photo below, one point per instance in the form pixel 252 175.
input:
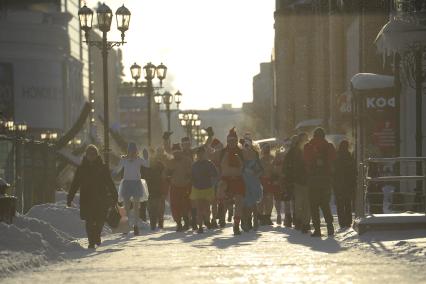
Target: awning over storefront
pixel 370 81
pixel 309 123
pixel 397 36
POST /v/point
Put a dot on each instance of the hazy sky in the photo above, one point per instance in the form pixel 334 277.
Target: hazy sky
pixel 212 48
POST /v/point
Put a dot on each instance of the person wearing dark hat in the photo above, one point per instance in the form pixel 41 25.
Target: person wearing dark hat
pixel 97 193
pixel 319 156
pixel 213 153
pixel 231 166
pixel 179 170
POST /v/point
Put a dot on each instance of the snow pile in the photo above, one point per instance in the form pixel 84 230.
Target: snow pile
pixel 410 244
pixel 44 234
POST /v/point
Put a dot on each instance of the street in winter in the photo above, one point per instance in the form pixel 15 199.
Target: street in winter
pixel 221 141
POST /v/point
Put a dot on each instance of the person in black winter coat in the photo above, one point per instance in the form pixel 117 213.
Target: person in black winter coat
pixel 154 178
pixel 344 184
pixel 97 193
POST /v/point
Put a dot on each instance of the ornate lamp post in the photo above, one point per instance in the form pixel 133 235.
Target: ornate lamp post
pixel 104 16
pixel 150 72
pixel 167 99
pixel 189 120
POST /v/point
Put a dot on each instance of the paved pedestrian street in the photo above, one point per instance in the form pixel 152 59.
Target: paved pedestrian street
pixel 278 255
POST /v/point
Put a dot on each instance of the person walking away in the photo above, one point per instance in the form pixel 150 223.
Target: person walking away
pixel 213 153
pixel 288 187
pixel 153 176
pixel 231 166
pixel 319 156
pixel 344 184
pixel 204 175
pixel 132 191
pixel 269 184
pixel 163 158
pixel 97 193
pixel 252 171
pixel 179 170
pixel 279 195
pixel 296 176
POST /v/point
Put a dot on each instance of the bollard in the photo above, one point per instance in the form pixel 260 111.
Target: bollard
pixel 7 209
pixel 424 183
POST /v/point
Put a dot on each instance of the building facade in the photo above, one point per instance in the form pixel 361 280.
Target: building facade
pixel 319 46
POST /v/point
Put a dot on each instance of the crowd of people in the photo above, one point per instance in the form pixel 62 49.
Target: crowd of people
pixel 216 183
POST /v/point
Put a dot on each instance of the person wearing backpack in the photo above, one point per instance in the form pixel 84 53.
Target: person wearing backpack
pixel 319 156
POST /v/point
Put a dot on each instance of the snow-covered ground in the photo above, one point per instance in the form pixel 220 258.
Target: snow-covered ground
pixel 53 235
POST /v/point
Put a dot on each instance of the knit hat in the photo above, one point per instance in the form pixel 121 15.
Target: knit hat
pixel 232 135
pixel 176 147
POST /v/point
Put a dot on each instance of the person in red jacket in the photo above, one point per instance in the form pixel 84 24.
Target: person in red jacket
pixel 319 156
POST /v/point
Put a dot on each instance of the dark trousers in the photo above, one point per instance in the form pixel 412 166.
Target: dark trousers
pixel 344 209
pixel 94 229
pixel 154 208
pixel 142 210
pixel 320 199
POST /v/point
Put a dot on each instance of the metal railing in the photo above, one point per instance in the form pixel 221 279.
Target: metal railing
pixel 367 198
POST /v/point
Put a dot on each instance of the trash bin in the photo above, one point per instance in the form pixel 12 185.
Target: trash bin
pixel 7 209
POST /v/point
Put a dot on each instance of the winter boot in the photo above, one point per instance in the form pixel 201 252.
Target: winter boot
pixel 255 221
pixel 194 219
pixel 214 224
pixel 330 230
pixel 306 228
pixel 230 214
pixel 91 246
pixel 179 227
pixel 208 224
pixel 279 221
pixel 185 223
pixel 268 221
pixel 161 223
pixel 316 233
pixel 288 220
pixel 136 230
pixel 236 228
pixel 200 230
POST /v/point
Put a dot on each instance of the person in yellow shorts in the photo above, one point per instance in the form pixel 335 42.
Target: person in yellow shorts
pixel 204 175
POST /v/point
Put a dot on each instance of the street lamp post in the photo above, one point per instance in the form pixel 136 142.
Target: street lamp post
pixel 167 99
pixel 150 72
pixel 189 120
pixel 104 16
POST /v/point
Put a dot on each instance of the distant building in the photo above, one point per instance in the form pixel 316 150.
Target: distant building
pixel 262 112
pixel 44 71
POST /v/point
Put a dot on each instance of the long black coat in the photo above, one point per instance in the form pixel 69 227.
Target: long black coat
pixel 344 174
pixel 97 190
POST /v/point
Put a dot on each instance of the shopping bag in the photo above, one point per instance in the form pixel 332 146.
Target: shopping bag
pixel 113 217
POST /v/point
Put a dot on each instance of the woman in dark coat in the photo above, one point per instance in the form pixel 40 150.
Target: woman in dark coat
pixel 97 193
pixel 344 184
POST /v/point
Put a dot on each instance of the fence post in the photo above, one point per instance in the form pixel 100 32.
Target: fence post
pixel 359 198
pixel 424 183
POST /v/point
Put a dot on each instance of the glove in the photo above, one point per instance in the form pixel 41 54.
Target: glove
pixel 167 134
pixel 209 131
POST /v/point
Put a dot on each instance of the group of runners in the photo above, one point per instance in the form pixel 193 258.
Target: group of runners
pixel 236 181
